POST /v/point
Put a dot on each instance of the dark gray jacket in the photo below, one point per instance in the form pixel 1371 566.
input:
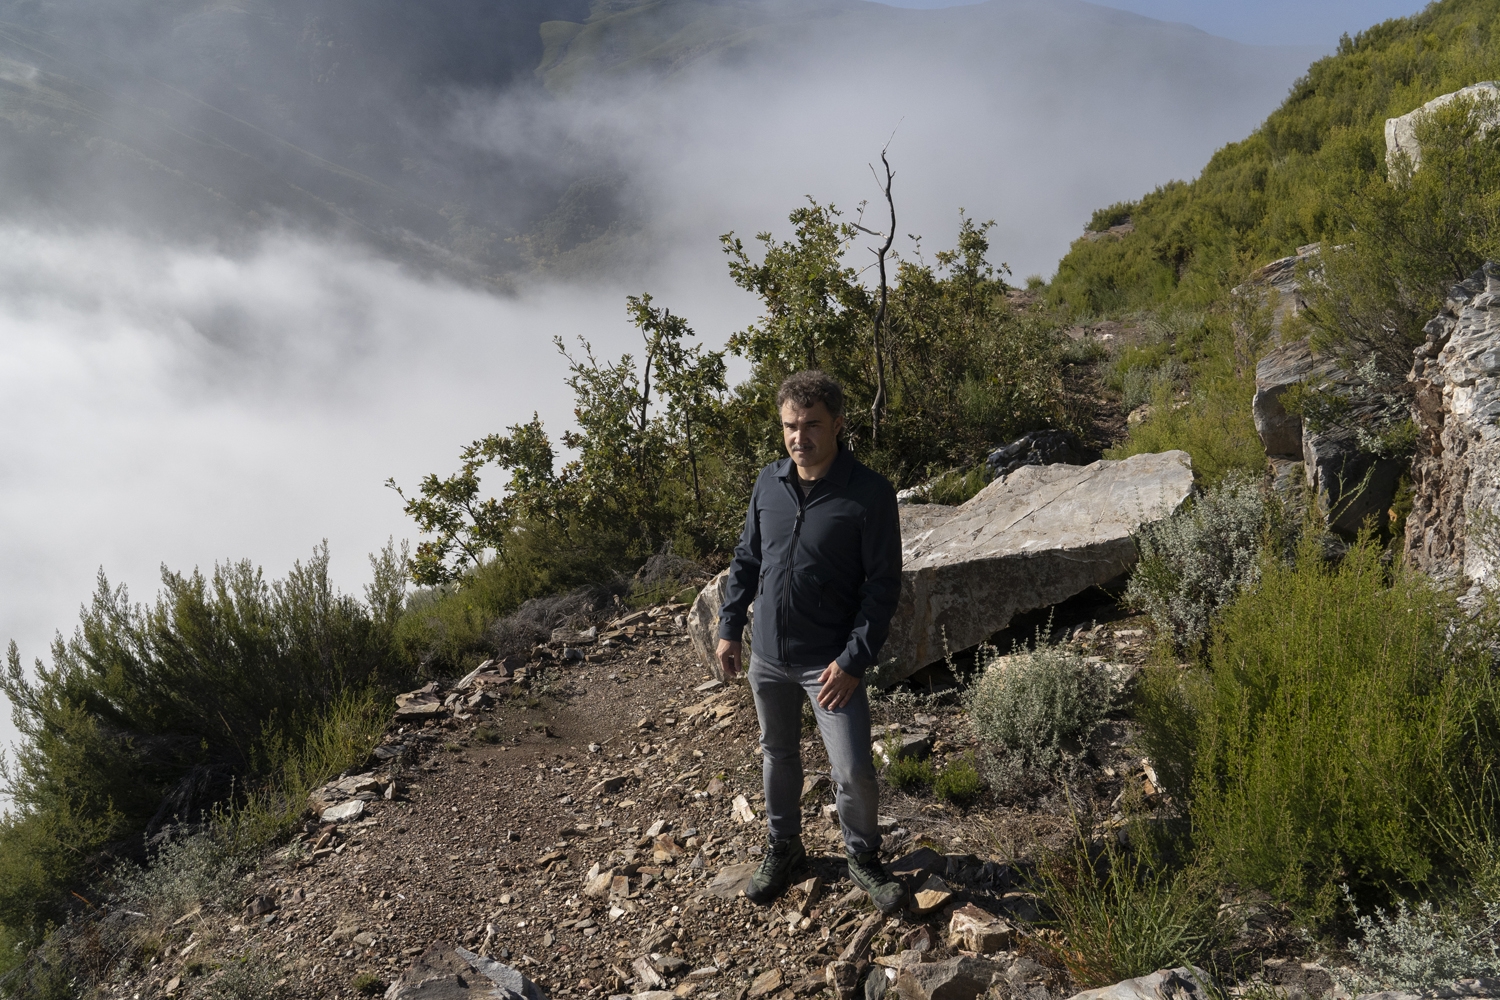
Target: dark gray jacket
pixel 825 573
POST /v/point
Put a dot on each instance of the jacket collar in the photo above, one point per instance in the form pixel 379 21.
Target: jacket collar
pixel 838 473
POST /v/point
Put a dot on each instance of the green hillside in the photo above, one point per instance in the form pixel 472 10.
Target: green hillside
pixel 1289 182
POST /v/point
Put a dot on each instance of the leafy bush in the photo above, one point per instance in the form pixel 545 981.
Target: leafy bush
pixel 958 486
pixel 368 983
pixel 1120 917
pixel 959 782
pixel 1214 425
pixel 907 773
pixel 1195 561
pixel 192 869
pixel 247 978
pixel 1406 236
pixel 667 453
pixel 1344 730
pixel 1032 710
pixel 154 713
pixel 1420 948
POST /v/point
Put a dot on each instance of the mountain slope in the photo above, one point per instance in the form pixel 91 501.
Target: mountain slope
pixel 1283 186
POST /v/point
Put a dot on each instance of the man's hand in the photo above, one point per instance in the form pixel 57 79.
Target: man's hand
pixel 729 653
pixel 838 687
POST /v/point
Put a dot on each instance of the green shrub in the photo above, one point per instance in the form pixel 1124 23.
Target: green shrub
pixel 1032 710
pixel 907 773
pixel 1194 562
pixel 248 978
pixel 958 486
pixel 1291 181
pixel 1419 948
pixel 959 782
pixel 1344 730
pixel 294 761
pixel 1214 425
pixel 1121 917
pixel 195 869
pixel 368 983
pixel 153 713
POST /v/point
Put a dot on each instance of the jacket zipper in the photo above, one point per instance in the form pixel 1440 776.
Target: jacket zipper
pixel 786 582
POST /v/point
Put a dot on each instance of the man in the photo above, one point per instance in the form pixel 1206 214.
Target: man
pixel 821 557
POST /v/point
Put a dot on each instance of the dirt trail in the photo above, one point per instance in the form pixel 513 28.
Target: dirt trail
pixel 625 766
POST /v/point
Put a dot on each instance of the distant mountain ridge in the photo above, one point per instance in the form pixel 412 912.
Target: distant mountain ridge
pixel 192 118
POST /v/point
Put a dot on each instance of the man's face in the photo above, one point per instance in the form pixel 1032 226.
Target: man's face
pixel 811 435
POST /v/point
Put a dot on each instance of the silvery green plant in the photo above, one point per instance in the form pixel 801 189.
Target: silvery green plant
pixel 1033 711
pixel 1195 561
pixel 1420 947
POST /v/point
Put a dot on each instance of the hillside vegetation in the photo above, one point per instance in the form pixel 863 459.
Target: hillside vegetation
pixel 1296 180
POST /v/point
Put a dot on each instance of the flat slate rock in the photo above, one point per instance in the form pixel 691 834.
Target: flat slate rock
pixel 732 879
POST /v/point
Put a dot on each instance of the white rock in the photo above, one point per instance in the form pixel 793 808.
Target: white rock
pixel 743 812
pixel 343 812
pixel 1181 983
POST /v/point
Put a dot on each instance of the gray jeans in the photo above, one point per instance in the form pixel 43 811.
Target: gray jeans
pixel 779 695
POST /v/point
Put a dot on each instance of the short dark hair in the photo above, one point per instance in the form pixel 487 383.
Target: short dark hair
pixel 810 387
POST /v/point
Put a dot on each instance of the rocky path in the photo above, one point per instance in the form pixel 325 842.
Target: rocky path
pixel 591 824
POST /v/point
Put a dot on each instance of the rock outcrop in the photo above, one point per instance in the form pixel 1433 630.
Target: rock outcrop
pixel 1401 133
pixel 1284 367
pixel 1028 540
pixel 1351 482
pixel 1279 285
pixel 1456 471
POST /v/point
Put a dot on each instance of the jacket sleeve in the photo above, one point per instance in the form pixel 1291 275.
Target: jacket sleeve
pixel 744 573
pixel 880 549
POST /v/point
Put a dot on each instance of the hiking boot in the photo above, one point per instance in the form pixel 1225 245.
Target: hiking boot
pixel 886 893
pixel 775 871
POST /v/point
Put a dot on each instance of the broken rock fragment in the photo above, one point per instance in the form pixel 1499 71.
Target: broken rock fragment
pixel 766 983
pixel 743 813
pixel 343 812
pixel 961 978
pixel 973 929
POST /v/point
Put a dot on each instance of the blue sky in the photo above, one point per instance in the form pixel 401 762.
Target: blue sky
pixel 1257 22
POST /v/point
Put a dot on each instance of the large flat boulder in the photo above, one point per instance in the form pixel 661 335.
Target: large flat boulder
pixel 1451 531
pixel 1027 540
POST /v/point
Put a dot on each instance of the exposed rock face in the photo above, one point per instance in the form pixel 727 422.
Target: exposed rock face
pixel 1456 471
pixel 703 626
pixel 1031 539
pixel 1044 447
pixel 1288 365
pixel 1352 484
pixel 1401 133
pixel 961 978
